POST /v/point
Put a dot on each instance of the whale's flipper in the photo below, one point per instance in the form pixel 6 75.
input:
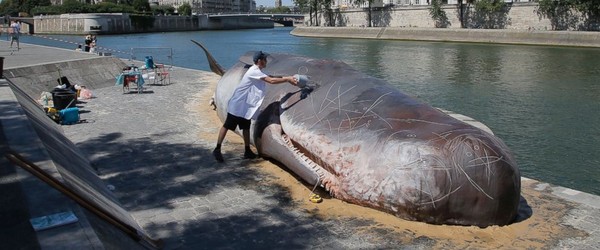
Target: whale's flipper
pixel 214 65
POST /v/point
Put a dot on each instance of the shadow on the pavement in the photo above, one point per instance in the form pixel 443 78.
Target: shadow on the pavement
pixel 148 175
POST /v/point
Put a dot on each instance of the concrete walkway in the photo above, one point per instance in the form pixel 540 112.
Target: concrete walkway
pixel 499 36
pixel 153 151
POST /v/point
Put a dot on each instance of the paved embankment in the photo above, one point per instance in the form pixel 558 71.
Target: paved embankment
pixel 502 36
pixel 153 152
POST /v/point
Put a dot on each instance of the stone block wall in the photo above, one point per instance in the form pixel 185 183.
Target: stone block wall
pixel 516 16
pixel 79 24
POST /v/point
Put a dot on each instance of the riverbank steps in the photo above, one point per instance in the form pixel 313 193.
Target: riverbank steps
pixel 500 36
pixel 146 159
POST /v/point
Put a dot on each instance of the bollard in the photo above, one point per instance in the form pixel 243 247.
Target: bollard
pixel 1 67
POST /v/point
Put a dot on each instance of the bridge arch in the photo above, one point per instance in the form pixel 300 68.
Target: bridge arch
pixel 23 20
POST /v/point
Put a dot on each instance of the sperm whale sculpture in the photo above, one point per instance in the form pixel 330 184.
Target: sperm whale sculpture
pixel 367 143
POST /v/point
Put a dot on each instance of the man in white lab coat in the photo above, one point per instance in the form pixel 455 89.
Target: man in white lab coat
pixel 246 100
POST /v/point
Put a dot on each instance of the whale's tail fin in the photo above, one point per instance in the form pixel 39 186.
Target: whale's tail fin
pixel 214 65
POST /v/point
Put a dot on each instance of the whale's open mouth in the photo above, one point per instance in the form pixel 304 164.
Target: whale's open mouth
pixel 278 145
pixel 312 161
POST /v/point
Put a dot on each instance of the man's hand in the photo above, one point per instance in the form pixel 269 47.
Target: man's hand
pixel 293 80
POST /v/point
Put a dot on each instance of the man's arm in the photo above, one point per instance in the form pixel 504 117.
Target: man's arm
pixel 280 79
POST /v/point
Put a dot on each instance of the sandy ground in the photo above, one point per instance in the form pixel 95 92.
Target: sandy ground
pixel 540 223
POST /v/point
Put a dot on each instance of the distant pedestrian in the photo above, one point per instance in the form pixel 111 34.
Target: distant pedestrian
pixel 78 47
pixel 15 31
pixel 88 42
pixel 93 47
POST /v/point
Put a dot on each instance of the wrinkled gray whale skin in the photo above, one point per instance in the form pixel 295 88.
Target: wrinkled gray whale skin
pixel 369 144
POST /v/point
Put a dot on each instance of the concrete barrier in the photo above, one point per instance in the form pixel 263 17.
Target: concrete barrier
pixel 551 38
pixel 93 73
pixel 29 132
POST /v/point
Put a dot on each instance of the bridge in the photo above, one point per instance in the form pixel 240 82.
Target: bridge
pixel 215 21
pixel 284 19
pixel 24 20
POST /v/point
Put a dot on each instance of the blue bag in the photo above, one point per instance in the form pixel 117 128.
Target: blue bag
pixel 149 61
pixel 69 116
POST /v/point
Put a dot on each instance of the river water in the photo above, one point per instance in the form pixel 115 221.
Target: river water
pixel 544 102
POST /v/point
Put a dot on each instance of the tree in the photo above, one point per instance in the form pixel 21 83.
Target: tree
pixel 562 14
pixel 438 14
pixel 489 12
pixel 74 6
pixel 13 7
pixel 279 10
pixel 360 2
pixel 461 13
pixel 328 11
pixel 302 4
pixel 163 10
pixel 185 9
pixel 141 5
pixel 313 6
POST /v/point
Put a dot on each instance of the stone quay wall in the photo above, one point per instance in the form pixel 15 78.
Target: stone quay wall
pixel 522 16
pixel 529 37
pixel 120 23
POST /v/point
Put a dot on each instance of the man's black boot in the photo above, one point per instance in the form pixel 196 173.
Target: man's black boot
pixel 217 154
pixel 248 154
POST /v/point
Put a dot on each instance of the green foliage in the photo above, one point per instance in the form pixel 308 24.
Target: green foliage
pixel 303 5
pixel 8 7
pixel 490 14
pixel 141 5
pixel 74 6
pixel 142 22
pixel 549 8
pixel 438 14
pixel 185 9
pixel 489 6
pixel 279 10
pixel 13 7
pixel 563 13
pixel 46 10
pixel 108 7
pixel 163 10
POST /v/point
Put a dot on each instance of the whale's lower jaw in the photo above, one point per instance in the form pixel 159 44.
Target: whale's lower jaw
pixel 276 145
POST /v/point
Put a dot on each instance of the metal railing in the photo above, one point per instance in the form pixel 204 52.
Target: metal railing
pixel 160 55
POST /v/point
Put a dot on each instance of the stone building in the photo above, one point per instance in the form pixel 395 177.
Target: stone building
pixel 212 6
pixel 349 4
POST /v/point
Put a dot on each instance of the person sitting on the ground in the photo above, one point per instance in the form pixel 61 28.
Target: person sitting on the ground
pixel 93 47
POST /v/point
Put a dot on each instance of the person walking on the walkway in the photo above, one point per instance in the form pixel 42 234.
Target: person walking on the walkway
pixel 246 100
pixel 87 41
pixel 15 31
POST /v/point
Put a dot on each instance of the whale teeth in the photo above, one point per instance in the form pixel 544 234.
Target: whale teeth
pixel 308 161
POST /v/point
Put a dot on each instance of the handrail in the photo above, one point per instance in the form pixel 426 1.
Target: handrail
pixel 155 53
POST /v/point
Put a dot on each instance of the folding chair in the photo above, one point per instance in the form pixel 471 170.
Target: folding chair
pixel 127 80
pixel 161 75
